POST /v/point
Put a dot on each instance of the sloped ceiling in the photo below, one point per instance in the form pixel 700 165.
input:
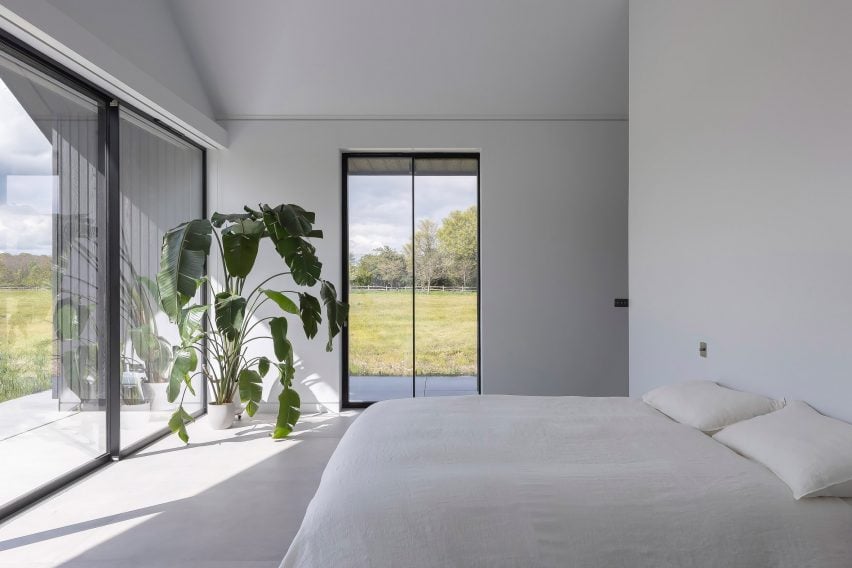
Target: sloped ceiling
pixel 517 58
pixel 145 33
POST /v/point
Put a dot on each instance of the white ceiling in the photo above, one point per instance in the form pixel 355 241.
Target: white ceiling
pixel 406 57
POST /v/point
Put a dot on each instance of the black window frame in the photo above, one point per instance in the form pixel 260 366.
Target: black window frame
pixel 345 403
pixel 109 223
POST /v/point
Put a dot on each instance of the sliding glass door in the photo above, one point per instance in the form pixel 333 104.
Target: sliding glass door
pixel 52 387
pixel 87 189
pixel 161 179
pixel 411 235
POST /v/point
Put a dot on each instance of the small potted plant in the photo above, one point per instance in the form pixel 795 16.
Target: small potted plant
pixel 141 337
pixel 222 328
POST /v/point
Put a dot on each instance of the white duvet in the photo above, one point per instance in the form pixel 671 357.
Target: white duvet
pixel 498 481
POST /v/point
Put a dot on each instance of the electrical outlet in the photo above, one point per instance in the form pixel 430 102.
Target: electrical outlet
pixel 702 349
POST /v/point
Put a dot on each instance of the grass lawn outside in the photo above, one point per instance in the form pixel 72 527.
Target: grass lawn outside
pixel 380 333
pixel 26 342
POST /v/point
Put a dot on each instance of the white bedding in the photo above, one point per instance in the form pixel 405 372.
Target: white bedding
pixel 498 481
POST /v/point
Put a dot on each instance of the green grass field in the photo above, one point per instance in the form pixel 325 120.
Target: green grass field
pixel 380 333
pixel 26 347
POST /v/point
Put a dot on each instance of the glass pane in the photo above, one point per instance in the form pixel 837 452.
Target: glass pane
pixel 161 187
pixel 52 417
pixel 380 316
pixel 446 270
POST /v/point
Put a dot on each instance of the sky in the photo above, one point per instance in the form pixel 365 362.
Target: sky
pixel 380 207
pixel 26 164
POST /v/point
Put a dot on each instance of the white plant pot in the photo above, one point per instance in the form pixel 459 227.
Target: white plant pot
pixel 155 393
pixel 221 416
pixel 134 416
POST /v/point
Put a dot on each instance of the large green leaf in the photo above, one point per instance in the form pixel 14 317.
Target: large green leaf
pixel 301 258
pixel 154 351
pixel 218 220
pixel 251 389
pixel 184 362
pixel 283 301
pixel 185 249
pixel 151 287
pixel 163 358
pixel 230 311
pixel 311 314
pixel 144 342
pixel 293 219
pixel 178 422
pixel 70 319
pixel 278 330
pixel 286 371
pixel 288 413
pixel 240 243
pixel 190 323
pixel 335 310
pixel 286 225
pixel 263 366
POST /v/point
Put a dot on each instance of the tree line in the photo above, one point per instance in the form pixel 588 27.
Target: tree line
pixel 25 270
pixel 442 254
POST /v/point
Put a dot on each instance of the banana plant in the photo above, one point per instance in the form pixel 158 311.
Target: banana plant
pixel 214 336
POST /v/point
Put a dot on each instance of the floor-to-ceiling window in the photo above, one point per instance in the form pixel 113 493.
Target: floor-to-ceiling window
pixel 52 419
pixel 161 186
pixel 412 266
pixel 87 188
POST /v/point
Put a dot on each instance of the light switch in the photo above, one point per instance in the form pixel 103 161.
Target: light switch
pixel 702 349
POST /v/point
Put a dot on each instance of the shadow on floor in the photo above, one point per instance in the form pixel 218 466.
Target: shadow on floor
pixel 248 519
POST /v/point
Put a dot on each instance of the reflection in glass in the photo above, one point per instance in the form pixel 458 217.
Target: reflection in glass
pixel 161 187
pixel 51 388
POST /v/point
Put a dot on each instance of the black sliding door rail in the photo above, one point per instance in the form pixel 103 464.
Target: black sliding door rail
pixel 108 278
pixel 344 352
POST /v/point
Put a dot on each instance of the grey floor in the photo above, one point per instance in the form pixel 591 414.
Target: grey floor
pixel 232 498
pixel 370 389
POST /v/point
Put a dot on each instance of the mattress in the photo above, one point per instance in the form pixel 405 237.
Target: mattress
pixel 511 481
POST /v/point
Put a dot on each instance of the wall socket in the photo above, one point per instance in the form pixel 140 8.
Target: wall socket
pixel 702 349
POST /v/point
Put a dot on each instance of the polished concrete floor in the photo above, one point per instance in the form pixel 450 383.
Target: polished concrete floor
pixel 40 442
pixel 232 498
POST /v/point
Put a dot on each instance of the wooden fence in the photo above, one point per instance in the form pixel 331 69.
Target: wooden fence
pixel 419 288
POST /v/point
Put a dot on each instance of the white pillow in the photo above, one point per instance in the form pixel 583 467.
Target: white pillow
pixel 707 406
pixel 810 452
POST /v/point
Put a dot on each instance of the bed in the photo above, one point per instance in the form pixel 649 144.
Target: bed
pixel 510 481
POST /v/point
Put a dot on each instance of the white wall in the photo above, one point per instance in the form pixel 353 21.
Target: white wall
pixel 741 196
pixel 553 229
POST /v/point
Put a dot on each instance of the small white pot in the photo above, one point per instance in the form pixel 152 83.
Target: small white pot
pixel 220 416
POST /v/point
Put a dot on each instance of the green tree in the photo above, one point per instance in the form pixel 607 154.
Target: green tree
pixel 457 241
pixel 383 266
pixel 428 264
pixel 390 267
pixel 361 270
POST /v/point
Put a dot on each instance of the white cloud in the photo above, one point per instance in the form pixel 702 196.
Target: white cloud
pixel 23 147
pixel 26 221
pixel 24 230
pixel 380 207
